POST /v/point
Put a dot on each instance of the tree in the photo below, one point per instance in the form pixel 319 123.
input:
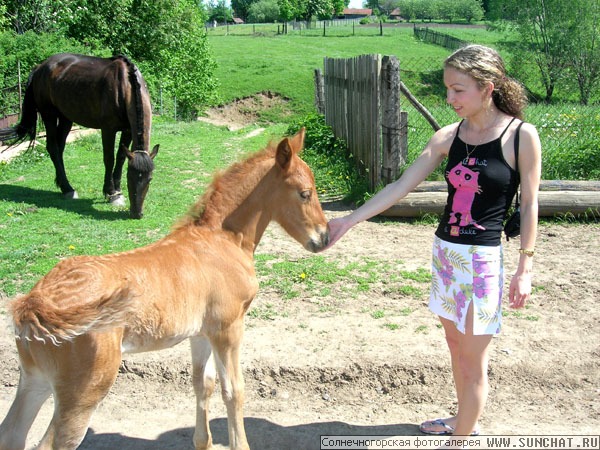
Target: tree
pixel 169 41
pixel 387 6
pixel 39 16
pixel 241 8
pixel 584 46
pixel 98 24
pixel 540 24
pixel 220 12
pixel 307 9
pixel 287 10
pixel 470 10
pixel 372 4
pixel 263 11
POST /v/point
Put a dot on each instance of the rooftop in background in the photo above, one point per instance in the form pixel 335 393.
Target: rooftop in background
pixel 357 12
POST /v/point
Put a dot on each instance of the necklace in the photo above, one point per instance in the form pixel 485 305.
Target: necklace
pixel 470 152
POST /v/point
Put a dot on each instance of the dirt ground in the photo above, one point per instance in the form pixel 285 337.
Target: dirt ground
pixel 312 372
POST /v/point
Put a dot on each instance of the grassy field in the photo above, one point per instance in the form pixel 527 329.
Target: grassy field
pixel 285 64
pixel 38 227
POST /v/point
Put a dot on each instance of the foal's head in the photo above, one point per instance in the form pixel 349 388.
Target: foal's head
pixel 296 206
pixel 139 175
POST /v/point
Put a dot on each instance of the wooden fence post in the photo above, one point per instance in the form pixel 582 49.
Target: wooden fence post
pixel 319 92
pixel 393 155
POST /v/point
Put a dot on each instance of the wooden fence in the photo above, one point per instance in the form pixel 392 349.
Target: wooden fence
pixel 360 98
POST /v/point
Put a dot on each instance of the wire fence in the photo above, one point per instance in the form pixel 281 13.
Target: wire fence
pixel 569 131
pixel 433 37
pixel 331 28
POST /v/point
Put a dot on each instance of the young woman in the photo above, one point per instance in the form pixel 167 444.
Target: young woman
pixel 467 263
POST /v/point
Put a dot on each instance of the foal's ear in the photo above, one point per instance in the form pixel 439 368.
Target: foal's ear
pixel 154 151
pixel 297 141
pixel 284 154
pixel 288 146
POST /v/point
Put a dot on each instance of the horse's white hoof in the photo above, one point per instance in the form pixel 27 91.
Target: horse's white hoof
pixel 71 195
pixel 117 200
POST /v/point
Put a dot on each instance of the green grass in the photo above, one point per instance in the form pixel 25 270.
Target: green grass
pixel 285 64
pixel 316 276
pixel 38 227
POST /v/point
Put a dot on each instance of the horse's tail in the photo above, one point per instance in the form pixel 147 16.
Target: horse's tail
pixel 27 126
pixel 36 318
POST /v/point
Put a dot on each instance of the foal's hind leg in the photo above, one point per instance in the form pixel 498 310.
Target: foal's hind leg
pixel 85 370
pixel 204 376
pixel 32 392
pixel 226 345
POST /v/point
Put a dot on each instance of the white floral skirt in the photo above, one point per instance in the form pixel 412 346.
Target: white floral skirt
pixel 465 274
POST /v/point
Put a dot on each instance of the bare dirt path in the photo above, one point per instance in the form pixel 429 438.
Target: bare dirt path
pixel 311 372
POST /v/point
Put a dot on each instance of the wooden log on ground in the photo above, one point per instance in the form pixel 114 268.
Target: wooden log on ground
pixel 555 197
pixel 545 185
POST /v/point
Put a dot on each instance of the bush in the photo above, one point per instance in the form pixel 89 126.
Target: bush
pixel 336 174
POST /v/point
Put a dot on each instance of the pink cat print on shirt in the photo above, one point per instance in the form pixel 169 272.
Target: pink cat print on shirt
pixel 465 182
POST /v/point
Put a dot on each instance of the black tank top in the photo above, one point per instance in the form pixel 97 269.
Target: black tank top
pixel 481 186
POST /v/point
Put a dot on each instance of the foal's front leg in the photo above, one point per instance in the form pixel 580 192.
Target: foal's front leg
pixel 226 345
pixel 204 377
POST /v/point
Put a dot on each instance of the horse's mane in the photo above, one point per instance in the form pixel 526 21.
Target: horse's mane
pixel 142 162
pixel 134 78
pixel 213 206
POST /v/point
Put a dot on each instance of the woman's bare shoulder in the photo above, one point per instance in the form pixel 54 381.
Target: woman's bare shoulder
pixel 442 139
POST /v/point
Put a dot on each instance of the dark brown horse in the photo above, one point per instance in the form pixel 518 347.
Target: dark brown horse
pixel 106 94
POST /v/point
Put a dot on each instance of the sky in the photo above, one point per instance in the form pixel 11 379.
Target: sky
pixel 355 4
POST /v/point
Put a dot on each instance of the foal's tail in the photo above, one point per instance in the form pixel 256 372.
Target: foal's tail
pixel 36 318
pixel 27 127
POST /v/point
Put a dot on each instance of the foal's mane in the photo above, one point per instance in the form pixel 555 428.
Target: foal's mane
pixel 220 196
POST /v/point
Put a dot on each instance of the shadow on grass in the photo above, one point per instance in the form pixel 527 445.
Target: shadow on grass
pixel 41 198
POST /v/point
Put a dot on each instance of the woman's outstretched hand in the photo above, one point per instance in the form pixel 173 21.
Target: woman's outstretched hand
pixel 337 228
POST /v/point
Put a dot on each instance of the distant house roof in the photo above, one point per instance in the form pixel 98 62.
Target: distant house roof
pixel 358 12
pixel 395 14
pixel 237 20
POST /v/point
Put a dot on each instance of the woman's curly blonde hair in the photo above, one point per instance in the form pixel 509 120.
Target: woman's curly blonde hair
pixel 485 65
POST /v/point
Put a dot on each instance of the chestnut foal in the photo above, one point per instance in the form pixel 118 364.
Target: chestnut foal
pixel 196 283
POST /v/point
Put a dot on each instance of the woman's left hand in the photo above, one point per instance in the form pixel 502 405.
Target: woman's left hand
pixel 520 290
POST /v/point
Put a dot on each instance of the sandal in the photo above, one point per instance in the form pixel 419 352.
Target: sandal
pixel 446 430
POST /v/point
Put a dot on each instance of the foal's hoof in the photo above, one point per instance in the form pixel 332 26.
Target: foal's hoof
pixel 71 195
pixel 116 199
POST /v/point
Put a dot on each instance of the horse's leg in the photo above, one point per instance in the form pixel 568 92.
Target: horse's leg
pixel 57 130
pixel 32 392
pixel 113 195
pixel 204 376
pixel 226 345
pixel 124 143
pixel 85 369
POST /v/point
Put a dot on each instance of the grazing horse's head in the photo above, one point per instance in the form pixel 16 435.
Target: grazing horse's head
pixel 299 211
pixel 139 175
